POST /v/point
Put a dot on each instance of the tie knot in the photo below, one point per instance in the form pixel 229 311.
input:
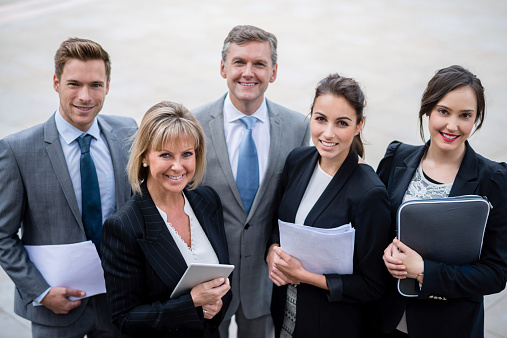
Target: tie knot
pixel 84 143
pixel 248 121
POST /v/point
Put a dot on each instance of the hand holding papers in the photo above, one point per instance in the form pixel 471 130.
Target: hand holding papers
pixel 321 251
pixel 75 266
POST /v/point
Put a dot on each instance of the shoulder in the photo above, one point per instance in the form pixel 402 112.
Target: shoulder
pixel 26 135
pixel 204 196
pixel 365 174
pixel 301 154
pixel 204 111
pixel 119 121
pixel 400 149
pixel 285 113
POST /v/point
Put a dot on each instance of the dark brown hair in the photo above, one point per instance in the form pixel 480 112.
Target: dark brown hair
pixel 349 89
pixel 81 49
pixel 445 81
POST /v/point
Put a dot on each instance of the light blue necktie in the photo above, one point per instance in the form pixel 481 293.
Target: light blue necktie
pixel 90 192
pixel 247 176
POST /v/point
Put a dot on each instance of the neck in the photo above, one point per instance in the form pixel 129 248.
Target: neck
pixel 165 199
pixel 246 107
pixel 440 157
pixel 332 165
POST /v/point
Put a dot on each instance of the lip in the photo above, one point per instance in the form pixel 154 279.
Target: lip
pixel 328 147
pixel 175 178
pixel 449 137
pixel 83 109
pixel 248 84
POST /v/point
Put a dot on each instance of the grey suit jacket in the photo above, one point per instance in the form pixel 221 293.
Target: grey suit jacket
pixel 247 235
pixel 36 195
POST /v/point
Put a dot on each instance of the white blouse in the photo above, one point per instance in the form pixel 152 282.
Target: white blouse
pixel 201 250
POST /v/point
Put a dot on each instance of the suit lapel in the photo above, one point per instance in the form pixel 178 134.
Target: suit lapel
pixel 466 181
pixel 205 213
pixel 216 126
pixel 158 246
pixel 275 135
pixel 403 175
pixel 119 162
pixel 334 187
pixel 57 159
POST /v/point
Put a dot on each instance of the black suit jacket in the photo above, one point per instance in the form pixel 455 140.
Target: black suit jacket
pixel 461 314
pixel 142 266
pixel 356 195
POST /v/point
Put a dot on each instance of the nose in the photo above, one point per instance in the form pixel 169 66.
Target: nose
pixel 248 70
pixel 176 165
pixel 452 124
pixel 328 131
pixel 84 94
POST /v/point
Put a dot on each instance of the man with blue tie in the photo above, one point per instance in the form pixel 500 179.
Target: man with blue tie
pixel 60 181
pixel 248 138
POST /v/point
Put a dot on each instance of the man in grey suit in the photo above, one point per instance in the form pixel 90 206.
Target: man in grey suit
pixel 245 161
pixel 42 191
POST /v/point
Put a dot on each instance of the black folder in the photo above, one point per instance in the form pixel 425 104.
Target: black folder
pixel 448 230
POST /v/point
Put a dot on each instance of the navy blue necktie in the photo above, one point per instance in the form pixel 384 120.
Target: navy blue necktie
pixel 247 176
pixel 90 192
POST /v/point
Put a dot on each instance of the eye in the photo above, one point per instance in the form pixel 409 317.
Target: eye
pixel 260 64
pixel 443 111
pixel 467 115
pixel 238 62
pixel 188 154
pixel 72 84
pixel 319 118
pixel 96 85
pixel 343 123
pixel 165 155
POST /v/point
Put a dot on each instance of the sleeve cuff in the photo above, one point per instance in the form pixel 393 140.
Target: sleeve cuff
pixel 36 301
pixel 335 285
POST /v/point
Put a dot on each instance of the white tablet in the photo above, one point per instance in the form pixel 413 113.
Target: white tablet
pixel 198 273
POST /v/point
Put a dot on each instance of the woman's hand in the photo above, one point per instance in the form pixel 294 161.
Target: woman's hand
pixel 275 274
pixel 401 261
pixel 413 262
pixel 209 295
pixel 210 310
pixel 287 268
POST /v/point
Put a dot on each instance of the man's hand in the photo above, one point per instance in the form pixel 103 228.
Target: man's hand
pixel 57 299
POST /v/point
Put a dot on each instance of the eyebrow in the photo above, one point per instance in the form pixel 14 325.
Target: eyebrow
pixel 338 119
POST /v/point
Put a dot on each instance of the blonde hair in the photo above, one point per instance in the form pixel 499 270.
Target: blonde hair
pixel 165 122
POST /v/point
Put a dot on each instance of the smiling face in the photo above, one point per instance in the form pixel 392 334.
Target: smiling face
pixel 333 127
pixel 82 87
pixel 170 169
pixel 452 119
pixel 249 70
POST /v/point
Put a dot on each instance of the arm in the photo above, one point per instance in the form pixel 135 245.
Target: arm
pixel 127 287
pixel 14 258
pixel 372 220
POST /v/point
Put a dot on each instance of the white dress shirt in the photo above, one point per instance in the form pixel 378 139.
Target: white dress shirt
pixel 234 129
pixel 200 250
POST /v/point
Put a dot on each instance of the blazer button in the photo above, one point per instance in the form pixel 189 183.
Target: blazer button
pixel 247 226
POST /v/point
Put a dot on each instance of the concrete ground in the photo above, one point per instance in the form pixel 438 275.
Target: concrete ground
pixel 170 50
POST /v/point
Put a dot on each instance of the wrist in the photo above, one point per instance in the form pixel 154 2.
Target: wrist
pixel 420 277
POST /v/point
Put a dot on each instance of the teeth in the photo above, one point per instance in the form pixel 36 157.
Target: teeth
pixel 328 144
pixel 83 108
pixel 247 84
pixel 451 137
pixel 175 177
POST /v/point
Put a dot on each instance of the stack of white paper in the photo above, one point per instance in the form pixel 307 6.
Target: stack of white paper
pixel 321 251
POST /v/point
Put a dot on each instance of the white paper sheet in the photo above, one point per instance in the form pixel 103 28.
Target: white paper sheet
pixel 321 251
pixel 75 266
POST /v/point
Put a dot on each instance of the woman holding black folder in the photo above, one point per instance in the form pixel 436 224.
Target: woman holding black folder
pixel 450 299
pixel 168 224
pixel 326 186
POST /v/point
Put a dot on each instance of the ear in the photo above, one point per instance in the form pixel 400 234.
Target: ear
pixel 273 74
pixel 359 127
pixel 56 84
pixel 222 69
pixel 107 85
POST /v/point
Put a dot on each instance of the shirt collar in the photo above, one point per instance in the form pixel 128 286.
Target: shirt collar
pixel 232 114
pixel 69 133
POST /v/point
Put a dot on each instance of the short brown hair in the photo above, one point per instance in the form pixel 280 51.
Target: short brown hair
pixel 245 33
pixel 446 80
pixel 81 49
pixel 165 122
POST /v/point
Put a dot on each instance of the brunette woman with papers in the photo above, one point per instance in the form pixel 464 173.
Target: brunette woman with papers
pixel 168 224
pixel 326 186
pixel 449 297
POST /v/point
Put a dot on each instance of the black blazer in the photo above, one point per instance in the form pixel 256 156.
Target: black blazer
pixel 356 195
pixel 461 314
pixel 142 266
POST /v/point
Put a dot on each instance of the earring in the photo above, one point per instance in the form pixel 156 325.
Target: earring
pixel 145 165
